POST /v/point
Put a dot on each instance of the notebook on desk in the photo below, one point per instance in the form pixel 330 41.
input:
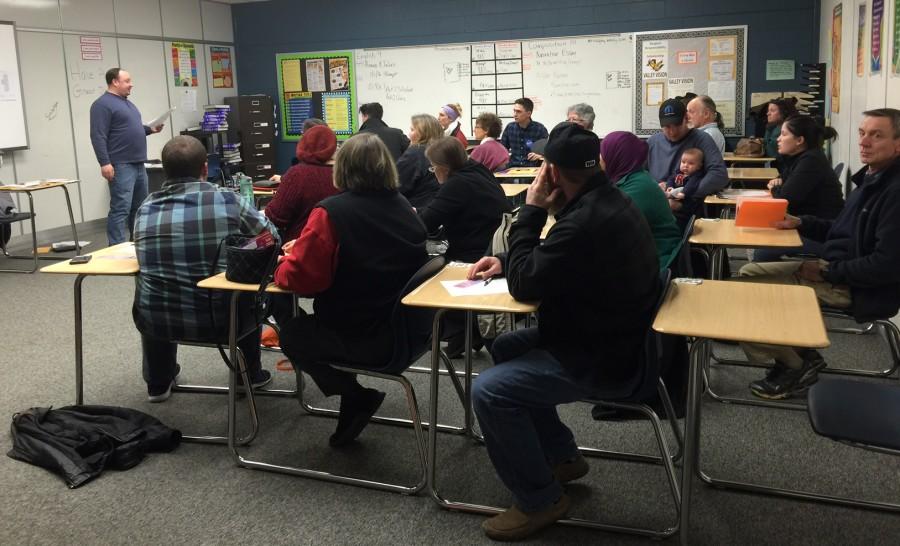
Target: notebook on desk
pixel 759 212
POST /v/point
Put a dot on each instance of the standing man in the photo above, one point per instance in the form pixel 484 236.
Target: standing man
pixel 702 114
pixel 120 144
pixel 587 340
pixel 518 137
pixel 371 114
pixel 664 159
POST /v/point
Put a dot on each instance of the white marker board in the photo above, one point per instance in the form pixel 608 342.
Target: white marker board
pixel 13 132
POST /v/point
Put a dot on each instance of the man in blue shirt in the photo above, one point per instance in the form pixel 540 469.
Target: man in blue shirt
pixel 519 137
pixel 119 138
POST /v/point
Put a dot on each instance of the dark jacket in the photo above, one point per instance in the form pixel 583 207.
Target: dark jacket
pixel 417 184
pixel 810 185
pixel 79 442
pixel 469 205
pixel 394 139
pixel 868 260
pixel 596 277
pixel 382 243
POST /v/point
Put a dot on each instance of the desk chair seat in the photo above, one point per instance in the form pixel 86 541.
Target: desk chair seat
pixel 6 223
pixel 861 414
pixel 412 328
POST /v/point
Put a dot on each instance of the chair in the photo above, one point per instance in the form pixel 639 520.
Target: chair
pixel 6 223
pixel 680 260
pixel 412 328
pixel 644 386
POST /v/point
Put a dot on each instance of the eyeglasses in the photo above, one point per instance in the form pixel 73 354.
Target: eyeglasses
pixel 431 169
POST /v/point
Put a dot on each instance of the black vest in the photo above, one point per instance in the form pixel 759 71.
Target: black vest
pixel 381 244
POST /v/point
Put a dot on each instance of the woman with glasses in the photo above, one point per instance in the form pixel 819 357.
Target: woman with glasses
pixel 490 152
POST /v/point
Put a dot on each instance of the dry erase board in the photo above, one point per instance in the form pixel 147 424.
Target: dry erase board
pixel 317 85
pixel 13 133
pixel 704 61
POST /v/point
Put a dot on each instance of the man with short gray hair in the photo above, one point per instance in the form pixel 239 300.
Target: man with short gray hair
pixel 702 114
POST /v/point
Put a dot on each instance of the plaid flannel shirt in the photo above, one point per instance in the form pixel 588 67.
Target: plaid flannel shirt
pixel 519 141
pixel 177 232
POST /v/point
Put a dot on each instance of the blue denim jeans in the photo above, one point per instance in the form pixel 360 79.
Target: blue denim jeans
pixel 763 255
pixel 515 402
pixel 126 193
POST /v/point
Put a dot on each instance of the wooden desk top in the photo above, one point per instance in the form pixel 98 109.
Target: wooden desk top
pixel 512 190
pixel 517 172
pixel 219 282
pixel 718 199
pixel 752 173
pixel 262 193
pixel 432 293
pixel 722 232
pixel 44 184
pixel 114 260
pixel 729 157
pixel 738 311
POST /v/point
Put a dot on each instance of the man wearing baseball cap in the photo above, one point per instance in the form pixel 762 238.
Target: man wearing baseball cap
pixel 596 275
pixel 665 152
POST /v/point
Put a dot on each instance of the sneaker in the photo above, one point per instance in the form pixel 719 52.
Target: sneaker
pixel 571 470
pixel 514 524
pixel 783 382
pixel 354 416
pixel 156 395
pixel 257 380
pixel 813 363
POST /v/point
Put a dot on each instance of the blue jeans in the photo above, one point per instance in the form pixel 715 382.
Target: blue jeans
pixel 763 255
pixel 126 193
pixel 515 402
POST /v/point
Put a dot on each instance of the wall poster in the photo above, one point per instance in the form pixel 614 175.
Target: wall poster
pixel 875 44
pixel 836 26
pixel 861 42
pixel 317 85
pixel 184 64
pixel 220 59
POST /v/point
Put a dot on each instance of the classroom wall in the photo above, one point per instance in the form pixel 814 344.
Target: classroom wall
pixel 60 85
pixel 857 92
pixel 778 29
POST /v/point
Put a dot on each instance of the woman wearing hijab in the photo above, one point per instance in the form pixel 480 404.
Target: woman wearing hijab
pixel 623 156
pixel 449 118
pixel 304 184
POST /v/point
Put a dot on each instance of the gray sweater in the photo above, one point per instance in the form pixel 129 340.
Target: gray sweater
pixel 117 132
pixel 665 157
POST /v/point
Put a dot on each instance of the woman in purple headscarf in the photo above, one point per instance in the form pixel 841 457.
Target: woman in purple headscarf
pixel 624 156
pixel 449 116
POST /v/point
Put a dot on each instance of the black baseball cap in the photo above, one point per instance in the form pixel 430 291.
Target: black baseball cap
pixel 672 112
pixel 571 146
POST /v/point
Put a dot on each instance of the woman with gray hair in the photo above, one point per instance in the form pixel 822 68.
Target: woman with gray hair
pixel 582 114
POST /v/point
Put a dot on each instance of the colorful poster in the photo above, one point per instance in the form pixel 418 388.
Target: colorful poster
pixel 837 21
pixel 184 64
pixel 338 112
pixel 861 42
pixel 317 85
pixel 315 75
pixel 340 73
pixel 875 40
pixel 895 62
pixel 654 59
pixel 220 61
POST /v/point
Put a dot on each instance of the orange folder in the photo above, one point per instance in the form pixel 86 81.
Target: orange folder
pixel 759 212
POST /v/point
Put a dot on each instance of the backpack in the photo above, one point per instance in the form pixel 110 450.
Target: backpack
pixel 750 147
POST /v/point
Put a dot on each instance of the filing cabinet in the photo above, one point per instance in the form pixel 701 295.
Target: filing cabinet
pixel 251 121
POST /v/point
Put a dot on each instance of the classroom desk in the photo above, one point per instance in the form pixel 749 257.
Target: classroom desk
pixel 733 195
pixel 28 190
pixel 753 312
pixel 117 260
pixel 517 172
pixel 729 157
pixel 722 234
pixel 752 174
pixel 432 294
pixel 512 190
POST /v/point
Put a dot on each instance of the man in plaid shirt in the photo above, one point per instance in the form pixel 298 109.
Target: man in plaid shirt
pixel 177 232
pixel 520 136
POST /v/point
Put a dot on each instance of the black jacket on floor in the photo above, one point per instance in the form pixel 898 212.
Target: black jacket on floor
pixel 79 442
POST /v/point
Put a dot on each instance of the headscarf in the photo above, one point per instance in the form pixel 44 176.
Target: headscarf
pixel 622 153
pixel 317 145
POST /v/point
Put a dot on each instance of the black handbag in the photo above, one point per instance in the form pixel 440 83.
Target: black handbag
pixel 248 266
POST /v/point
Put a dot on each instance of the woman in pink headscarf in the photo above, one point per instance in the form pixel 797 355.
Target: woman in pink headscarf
pixel 624 156
pixel 449 117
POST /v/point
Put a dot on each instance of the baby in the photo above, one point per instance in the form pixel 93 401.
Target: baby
pixel 683 183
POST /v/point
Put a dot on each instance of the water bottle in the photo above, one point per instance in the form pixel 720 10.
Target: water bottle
pixel 246 186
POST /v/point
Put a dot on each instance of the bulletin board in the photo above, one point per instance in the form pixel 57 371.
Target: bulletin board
pixel 704 61
pixel 317 85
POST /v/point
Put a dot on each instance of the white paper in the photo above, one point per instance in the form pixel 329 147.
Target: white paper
pixel 315 75
pixel 161 118
pixel 679 87
pixel 735 193
pixel 721 91
pixel 721 47
pixel 721 70
pixel 476 287
pixel 189 100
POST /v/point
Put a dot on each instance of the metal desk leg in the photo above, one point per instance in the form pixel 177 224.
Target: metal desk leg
pixel 72 220
pixel 79 347
pixel 469 418
pixel 691 433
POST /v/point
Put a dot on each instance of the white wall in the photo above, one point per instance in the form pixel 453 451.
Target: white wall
pixel 858 93
pixel 59 85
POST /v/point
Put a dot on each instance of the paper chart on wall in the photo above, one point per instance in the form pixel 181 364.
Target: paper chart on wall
pixel 721 91
pixel 679 87
pixel 315 75
pixel 723 46
pixel 721 70
pixel 654 57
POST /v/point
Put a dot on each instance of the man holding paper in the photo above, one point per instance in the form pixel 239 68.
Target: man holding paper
pixel 119 139
pixel 597 278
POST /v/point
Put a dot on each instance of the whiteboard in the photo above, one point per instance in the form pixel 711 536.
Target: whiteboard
pixel 13 133
pixel 559 73
pixel 414 80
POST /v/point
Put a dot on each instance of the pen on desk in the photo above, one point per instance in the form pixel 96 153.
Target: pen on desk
pixel 488 280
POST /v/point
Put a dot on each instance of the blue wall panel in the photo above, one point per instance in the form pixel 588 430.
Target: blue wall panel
pixel 777 29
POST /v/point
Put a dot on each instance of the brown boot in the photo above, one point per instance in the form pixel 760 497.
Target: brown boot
pixel 570 471
pixel 514 524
